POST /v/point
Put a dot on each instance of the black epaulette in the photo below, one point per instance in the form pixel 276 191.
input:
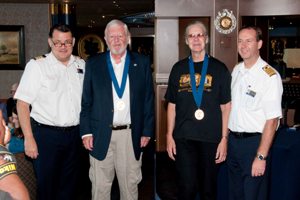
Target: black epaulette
pixel 269 70
pixel 39 57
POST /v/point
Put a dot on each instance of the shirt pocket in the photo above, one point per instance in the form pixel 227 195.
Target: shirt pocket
pixel 251 99
pixel 50 84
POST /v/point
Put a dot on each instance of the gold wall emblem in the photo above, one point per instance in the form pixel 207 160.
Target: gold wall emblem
pixel 225 22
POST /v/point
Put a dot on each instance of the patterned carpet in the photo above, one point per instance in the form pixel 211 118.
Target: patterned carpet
pixel 26 173
pixel 158 177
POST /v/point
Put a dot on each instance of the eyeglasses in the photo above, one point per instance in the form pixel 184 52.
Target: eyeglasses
pixel 198 36
pixel 67 43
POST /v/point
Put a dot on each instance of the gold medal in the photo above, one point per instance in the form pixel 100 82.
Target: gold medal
pixel 120 105
pixel 199 114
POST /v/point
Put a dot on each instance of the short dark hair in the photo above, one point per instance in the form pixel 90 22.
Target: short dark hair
pixel 256 29
pixel 60 27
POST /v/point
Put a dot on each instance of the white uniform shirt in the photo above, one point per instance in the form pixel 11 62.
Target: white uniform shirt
pixel 121 117
pixel 53 89
pixel 256 97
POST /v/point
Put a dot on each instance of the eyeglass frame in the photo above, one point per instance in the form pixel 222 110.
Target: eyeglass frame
pixel 65 43
pixel 194 36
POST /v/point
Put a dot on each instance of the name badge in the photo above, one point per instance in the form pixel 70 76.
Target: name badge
pixel 251 93
pixel 79 71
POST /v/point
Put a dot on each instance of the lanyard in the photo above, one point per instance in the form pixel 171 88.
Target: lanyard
pixel 197 94
pixel 119 89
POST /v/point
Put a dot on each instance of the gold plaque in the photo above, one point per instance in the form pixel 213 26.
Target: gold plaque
pixel 225 22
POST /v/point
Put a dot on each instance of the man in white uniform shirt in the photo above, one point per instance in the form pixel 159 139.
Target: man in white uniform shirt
pixel 256 109
pixel 52 85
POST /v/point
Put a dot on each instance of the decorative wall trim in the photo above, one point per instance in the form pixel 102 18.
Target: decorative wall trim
pixel 162 78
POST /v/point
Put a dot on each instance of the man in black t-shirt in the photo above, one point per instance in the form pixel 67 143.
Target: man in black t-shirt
pixel 199 99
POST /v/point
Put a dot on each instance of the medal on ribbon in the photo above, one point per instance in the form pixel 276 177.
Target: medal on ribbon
pixel 120 105
pixel 198 93
pixel 118 88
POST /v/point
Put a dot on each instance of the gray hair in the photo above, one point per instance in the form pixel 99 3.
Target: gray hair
pixel 198 23
pixel 116 22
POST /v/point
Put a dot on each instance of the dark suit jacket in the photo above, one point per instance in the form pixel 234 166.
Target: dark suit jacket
pixel 97 109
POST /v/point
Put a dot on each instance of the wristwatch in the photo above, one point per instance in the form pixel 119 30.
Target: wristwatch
pixel 261 157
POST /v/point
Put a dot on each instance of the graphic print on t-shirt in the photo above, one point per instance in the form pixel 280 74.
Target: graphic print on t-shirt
pixel 185 82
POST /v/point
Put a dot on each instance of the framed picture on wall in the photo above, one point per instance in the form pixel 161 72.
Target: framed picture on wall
pixel 12 48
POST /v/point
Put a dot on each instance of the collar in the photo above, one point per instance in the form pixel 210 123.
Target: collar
pixel 53 60
pixel 253 69
pixel 122 58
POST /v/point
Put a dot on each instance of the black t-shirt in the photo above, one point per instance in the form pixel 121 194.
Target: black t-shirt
pixel 11 103
pixel 216 92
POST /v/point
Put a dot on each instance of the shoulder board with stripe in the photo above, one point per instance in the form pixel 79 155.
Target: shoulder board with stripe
pixel 269 70
pixel 40 57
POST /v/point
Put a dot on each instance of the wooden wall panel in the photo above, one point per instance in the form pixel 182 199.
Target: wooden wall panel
pixel 161 118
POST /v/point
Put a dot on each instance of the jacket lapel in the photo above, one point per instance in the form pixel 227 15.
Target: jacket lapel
pixel 132 77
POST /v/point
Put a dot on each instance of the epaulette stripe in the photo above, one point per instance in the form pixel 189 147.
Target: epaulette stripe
pixel 269 70
pixel 40 57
